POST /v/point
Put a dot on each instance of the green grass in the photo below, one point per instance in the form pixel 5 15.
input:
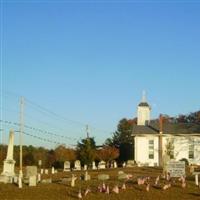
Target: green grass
pixel 61 191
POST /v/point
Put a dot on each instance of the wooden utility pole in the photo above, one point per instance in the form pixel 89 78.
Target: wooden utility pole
pixel 21 134
pixel 87 131
pixel 161 141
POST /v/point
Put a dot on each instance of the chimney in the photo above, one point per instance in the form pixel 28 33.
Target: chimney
pixel 161 123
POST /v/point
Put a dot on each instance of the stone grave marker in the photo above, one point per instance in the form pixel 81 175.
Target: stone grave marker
pixel 103 177
pixel 85 167
pixel 46 181
pixel 66 166
pixel 73 180
pixel 87 176
pixel 77 165
pixel 9 163
pixel 32 181
pixel 42 171
pixel 102 165
pixel 124 164
pixel 46 171
pixel 31 171
pixel 20 182
pixel 130 163
pixel 115 164
pixel 94 166
pixel 176 168
pixel 52 170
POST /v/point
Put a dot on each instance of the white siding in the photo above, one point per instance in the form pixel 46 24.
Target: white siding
pixel 181 148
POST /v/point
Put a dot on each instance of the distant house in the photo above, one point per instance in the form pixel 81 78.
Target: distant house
pixel 155 139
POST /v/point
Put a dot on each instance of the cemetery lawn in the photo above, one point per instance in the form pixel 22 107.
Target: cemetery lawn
pixel 62 190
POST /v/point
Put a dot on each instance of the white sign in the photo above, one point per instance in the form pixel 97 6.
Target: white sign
pixel 176 168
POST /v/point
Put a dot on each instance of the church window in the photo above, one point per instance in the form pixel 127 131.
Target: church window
pixel 151 149
pixel 191 150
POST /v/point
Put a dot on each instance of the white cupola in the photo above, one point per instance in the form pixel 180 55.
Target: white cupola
pixel 143 112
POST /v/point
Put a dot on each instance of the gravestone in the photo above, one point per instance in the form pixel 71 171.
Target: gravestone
pixel 9 163
pixel 52 170
pixel 32 181
pixel 77 165
pixel 39 163
pixel 20 182
pixel 46 181
pixel 176 168
pixel 66 166
pixel 115 164
pixel 124 164
pixel 94 166
pixel 73 180
pixel 46 171
pixel 103 177
pixel 30 171
pixel 130 163
pixel 85 167
pixel 86 176
pixel 102 165
pixel 42 171
pixel 122 176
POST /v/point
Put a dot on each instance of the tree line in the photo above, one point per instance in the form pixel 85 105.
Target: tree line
pixel 120 146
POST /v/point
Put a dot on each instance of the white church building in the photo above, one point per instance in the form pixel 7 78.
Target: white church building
pixel 176 141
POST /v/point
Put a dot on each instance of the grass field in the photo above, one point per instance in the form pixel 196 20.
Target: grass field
pixel 62 190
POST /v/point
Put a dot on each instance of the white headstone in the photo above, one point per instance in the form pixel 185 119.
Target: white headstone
pixel 32 181
pixel 86 176
pixel 77 165
pixel 30 171
pixel 130 163
pixel 115 164
pixel 102 165
pixel 94 166
pixel 73 180
pixel 66 166
pixel 52 170
pixel 124 164
pixel 20 182
pixel 42 171
pixel 85 167
pixel 40 163
pixel 46 171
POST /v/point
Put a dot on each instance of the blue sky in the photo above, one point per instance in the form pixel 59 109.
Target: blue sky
pixel 90 61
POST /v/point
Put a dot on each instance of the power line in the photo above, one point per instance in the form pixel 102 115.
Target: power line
pixel 43 139
pixel 44 110
pixel 38 130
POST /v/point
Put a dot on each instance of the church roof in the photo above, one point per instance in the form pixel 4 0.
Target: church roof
pixel 144 104
pixel 168 128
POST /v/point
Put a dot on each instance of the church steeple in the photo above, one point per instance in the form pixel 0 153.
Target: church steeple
pixel 143 116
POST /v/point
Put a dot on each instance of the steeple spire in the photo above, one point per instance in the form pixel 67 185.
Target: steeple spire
pixel 144 99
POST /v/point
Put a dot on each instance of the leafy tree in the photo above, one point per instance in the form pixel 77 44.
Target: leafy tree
pixel 62 154
pixel 86 150
pixel 123 140
pixel 123 133
pixel 108 153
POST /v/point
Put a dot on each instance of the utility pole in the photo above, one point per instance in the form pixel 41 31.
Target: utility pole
pixel 87 132
pixel 21 134
pixel 161 141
